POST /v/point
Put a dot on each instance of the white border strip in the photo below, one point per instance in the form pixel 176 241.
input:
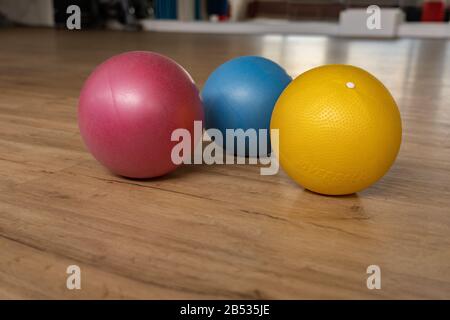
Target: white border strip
pixel 405 30
pixel 252 27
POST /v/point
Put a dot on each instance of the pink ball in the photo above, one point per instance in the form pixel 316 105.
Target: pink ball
pixel 129 107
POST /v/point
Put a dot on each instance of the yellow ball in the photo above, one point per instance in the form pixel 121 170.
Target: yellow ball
pixel 339 129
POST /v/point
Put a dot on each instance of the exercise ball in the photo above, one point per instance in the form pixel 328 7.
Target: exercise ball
pixel 339 128
pixel 241 94
pixel 129 107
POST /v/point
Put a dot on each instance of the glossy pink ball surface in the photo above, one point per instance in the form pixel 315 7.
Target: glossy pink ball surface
pixel 129 107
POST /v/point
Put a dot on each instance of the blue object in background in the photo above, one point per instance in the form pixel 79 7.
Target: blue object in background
pixel 198 10
pixel 165 9
pixel 241 94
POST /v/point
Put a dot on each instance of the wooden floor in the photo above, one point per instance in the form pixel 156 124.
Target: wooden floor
pixel 215 231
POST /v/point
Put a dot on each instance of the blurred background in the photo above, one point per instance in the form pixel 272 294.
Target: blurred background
pixel 411 18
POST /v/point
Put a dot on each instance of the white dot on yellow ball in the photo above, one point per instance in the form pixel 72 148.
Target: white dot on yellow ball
pixel 350 85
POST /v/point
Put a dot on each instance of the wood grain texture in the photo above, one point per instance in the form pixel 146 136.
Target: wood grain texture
pixel 215 231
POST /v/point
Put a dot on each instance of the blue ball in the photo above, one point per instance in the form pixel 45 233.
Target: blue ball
pixel 241 94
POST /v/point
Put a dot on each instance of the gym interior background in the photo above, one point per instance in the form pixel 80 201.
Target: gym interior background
pixel 212 231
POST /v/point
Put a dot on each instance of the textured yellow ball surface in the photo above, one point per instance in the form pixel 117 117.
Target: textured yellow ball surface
pixel 339 129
